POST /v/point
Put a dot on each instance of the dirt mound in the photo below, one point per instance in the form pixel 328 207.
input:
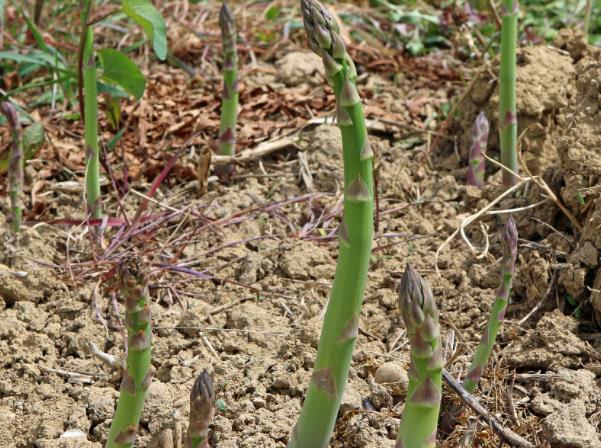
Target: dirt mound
pixel 545 85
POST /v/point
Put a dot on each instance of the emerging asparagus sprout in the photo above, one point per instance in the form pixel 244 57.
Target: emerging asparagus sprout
pixel 476 167
pixel 15 172
pixel 508 123
pixel 90 113
pixel 509 238
pixel 340 326
pixel 202 408
pixel 424 393
pixel 133 282
pixel 229 102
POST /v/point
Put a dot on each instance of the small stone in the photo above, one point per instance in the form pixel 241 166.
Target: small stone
pixel 391 372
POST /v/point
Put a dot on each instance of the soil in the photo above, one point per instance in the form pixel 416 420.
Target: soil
pixel 261 257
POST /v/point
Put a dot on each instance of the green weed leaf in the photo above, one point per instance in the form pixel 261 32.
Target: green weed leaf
pixel 149 18
pixel 33 138
pixel 118 68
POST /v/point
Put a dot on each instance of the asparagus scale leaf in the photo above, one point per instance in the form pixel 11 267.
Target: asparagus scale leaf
pixel 340 326
pixel 422 406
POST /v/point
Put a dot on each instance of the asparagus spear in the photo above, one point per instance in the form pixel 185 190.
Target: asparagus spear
pixel 340 327
pixel 90 112
pixel 422 406
pixel 510 244
pixel 508 124
pixel 229 103
pixel 476 167
pixel 133 282
pixel 15 172
pixel 202 408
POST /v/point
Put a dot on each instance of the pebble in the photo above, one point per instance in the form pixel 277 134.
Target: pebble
pixel 391 372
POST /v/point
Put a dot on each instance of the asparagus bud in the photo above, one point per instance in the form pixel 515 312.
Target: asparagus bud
pixel 229 101
pixel 476 167
pixel 133 282
pixel 15 172
pixel 202 408
pixel 422 406
pixel 340 325
pixel 509 238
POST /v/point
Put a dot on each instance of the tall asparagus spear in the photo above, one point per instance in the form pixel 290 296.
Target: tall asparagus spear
pixel 229 102
pixel 133 281
pixel 476 167
pixel 87 73
pixel 202 408
pixel 422 406
pixel 510 244
pixel 340 326
pixel 508 123
pixel 15 172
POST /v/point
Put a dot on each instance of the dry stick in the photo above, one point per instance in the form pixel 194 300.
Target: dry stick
pixel 506 434
pixel 475 216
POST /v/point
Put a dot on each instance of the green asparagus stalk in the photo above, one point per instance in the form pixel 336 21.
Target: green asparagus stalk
pixel 424 393
pixel 15 172
pixel 133 282
pixel 202 408
pixel 508 124
pixel 229 102
pixel 476 167
pixel 510 243
pixel 90 114
pixel 340 327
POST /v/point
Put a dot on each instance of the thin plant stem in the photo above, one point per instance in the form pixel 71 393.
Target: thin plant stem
pixel 508 125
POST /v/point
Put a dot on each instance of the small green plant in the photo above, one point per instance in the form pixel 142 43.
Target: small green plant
pixel 341 322
pixel 15 171
pixel 117 69
pixel 508 123
pixel 509 238
pixel 202 408
pixel 424 393
pixel 477 163
pixel 229 101
pixel 133 283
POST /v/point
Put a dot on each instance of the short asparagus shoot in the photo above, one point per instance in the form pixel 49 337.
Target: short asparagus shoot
pixel 229 100
pixel 509 238
pixel 133 283
pixel 424 393
pixel 340 326
pixel 202 408
pixel 15 172
pixel 508 123
pixel 477 166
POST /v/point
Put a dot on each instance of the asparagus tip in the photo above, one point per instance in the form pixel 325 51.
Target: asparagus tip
pixel 202 405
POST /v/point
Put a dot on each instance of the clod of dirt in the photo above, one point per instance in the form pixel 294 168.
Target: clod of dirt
pixel 553 344
pixel 574 41
pixel 568 428
pixel 305 261
pixel 299 67
pixel 581 172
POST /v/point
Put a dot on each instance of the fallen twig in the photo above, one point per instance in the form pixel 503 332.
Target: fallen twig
pixel 506 434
